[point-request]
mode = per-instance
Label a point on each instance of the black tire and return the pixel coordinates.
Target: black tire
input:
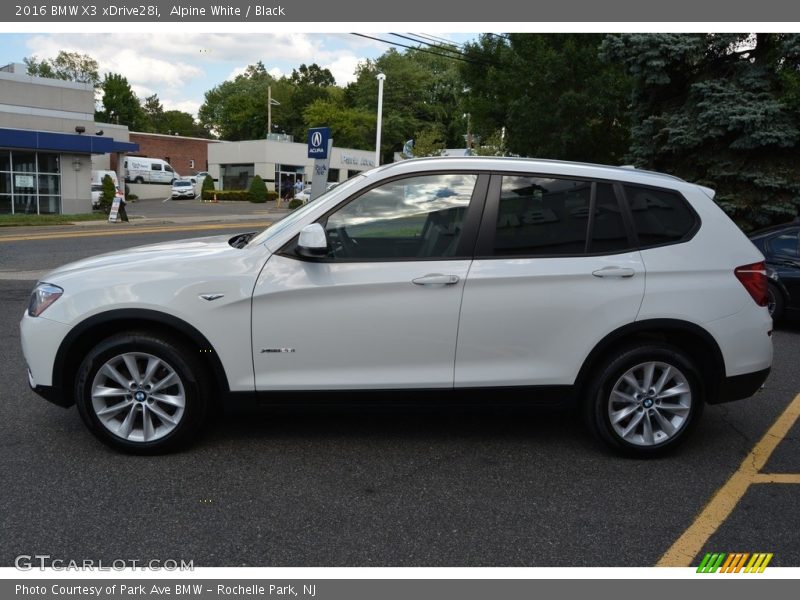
(193, 387)
(775, 302)
(139, 180)
(599, 402)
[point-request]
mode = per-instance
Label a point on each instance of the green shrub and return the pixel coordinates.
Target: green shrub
(295, 204)
(107, 195)
(131, 197)
(208, 184)
(243, 195)
(272, 195)
(258, 189)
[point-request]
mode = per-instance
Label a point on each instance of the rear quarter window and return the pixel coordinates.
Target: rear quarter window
(659, 216)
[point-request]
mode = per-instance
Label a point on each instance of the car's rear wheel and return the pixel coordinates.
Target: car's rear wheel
(142, 393)
(139, 180)
(645, 400)
(775, 302)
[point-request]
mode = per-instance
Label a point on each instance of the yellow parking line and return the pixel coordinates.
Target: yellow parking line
(721, 505)
(241, 225)
(777, 478)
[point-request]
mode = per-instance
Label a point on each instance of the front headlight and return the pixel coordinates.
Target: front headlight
(43, 296)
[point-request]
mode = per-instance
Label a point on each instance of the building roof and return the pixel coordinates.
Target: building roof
(62, 142)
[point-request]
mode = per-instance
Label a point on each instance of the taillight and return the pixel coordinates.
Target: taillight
(754, 280)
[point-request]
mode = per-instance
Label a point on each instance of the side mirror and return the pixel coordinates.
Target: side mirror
(313, 243)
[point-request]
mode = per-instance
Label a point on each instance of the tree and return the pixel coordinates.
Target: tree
(720, 110)
(69, 66)
(553, 94)
(107, 194)
(312, 75)
(120, 104)
(350, 127)
(258, 189)
(429, 142)
(421, 90)
(153, 114)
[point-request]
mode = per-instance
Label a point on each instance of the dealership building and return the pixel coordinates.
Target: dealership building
(48, 143)
(279, 160)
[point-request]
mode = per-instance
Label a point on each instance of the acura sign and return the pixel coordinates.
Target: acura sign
(318, 142)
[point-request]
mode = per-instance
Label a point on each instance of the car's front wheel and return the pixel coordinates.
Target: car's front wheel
(645, 400)
(142, 393)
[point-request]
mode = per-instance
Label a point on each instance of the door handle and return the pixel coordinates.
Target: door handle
(614, 272)
(436, 279)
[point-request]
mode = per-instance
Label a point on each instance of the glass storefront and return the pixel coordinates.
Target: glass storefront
(30, 182)
(236, 177)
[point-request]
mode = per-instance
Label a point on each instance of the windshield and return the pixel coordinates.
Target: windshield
(183, 183)
(298, 214)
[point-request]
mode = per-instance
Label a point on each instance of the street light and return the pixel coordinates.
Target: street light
(381, 78)
(270, 103)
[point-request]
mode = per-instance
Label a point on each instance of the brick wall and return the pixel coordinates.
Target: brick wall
(177, 150)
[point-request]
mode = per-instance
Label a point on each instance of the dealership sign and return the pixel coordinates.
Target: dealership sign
(318, 142)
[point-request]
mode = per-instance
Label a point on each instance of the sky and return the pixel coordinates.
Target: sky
(181, 68)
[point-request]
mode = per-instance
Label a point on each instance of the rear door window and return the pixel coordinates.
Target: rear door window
(550, 216)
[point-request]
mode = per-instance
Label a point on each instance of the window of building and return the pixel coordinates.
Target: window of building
(236, 177)
(30, 182)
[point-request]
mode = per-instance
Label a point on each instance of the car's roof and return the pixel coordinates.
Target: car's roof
(539, 165)
(775, 229)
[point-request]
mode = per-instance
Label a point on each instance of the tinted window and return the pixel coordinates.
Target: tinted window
(659, 216)
(785, 244)
(608, 226)
(542, 216)
(155, 167)
(417, 217)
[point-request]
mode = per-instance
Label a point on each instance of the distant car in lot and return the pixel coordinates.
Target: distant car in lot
(780, 245)
(305, 194)
(624, 293)
(182, 188)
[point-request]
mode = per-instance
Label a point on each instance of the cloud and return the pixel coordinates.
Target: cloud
(344, 68)
(189, 106)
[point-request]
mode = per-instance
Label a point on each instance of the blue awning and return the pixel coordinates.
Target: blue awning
(62, 142)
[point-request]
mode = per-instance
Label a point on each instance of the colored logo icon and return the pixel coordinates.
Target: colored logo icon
(737, 562)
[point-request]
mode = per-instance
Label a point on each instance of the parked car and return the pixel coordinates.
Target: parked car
(149, 170)
(781, 247)
(182, 188)
(504, 280)
(305, 194)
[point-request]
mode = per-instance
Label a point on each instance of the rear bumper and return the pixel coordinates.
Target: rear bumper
(739, 387)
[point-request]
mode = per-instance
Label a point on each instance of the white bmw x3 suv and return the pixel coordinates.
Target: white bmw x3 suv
(627, 294)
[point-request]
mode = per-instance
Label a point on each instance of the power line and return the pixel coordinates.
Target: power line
(418, 49)
(441, 40)
(437, 45)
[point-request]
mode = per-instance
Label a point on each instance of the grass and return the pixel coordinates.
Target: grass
(22, 220)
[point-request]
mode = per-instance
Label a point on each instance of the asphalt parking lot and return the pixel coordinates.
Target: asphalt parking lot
(400, 488)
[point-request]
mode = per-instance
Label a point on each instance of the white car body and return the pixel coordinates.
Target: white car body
(148, 170)
(277, 322)
(184, 188)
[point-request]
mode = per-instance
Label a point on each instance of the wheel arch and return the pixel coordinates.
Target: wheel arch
(696, 342)
(89, 332)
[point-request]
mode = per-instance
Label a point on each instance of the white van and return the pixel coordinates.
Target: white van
(97, 185)
(149, 170)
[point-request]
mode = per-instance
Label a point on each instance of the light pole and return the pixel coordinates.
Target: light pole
(381, 78)
(270, 103)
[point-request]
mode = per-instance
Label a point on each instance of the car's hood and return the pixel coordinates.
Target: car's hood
(164, 255)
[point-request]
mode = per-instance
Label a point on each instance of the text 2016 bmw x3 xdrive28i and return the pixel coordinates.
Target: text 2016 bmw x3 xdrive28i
(627, 292)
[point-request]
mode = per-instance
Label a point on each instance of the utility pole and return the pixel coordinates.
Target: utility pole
(381, 78)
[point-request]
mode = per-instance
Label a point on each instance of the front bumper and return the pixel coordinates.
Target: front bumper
(51, 393)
